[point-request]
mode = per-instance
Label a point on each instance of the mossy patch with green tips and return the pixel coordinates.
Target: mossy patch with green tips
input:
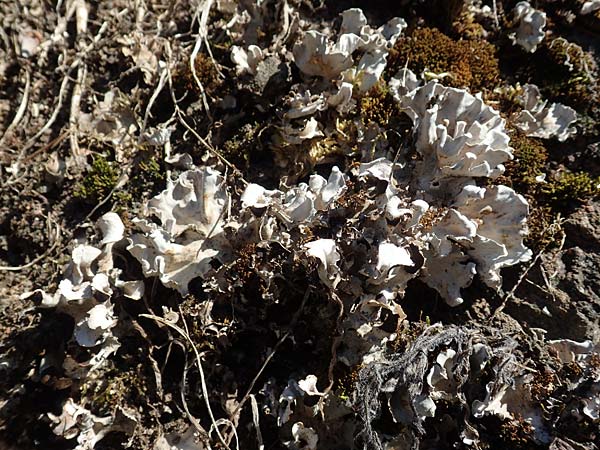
(572, 187)
(378, 106)
(567, 74)
(100, 180)
(115, 389)
(548, 197)
(237, 150)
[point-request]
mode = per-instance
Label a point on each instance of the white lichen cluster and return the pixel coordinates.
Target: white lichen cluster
(530, 27)
(431, 212)
(538, 119)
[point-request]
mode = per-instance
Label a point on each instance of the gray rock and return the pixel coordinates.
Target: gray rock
(562, 293)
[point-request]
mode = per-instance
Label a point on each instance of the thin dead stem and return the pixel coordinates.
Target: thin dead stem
(22, 108)
(183, 333)
(248, 394)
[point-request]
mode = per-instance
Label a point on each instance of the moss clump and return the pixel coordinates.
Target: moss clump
(205, 71)
(378, 106)
(379, 112)
(321, 149)
(529, 162)
(565, 71)
(542, 225)
(571, 188)
(117, 388)
(100, 180)
(150, 179)
(483, 63)
(237, 150)
(468, 63)
(547, 199)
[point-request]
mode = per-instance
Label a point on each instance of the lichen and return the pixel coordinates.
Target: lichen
(548, 197)
(516, 433)
(469, 63)
(529, 163)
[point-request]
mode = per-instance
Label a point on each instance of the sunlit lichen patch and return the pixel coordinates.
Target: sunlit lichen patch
(337, 229)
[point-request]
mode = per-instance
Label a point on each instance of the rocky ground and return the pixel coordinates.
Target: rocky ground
(106, 107)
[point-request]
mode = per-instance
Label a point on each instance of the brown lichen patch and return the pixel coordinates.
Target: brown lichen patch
(571, 371)
(354, 200)
(542, 386)
(431, 217)
(469, 63)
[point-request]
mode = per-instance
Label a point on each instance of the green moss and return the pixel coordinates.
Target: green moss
(469, 63)
(530, 158)
(151, 176)
(100, 180)
(238, 149)
(547, 200)
(529, 162)
(116, 388)
(572, 187)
